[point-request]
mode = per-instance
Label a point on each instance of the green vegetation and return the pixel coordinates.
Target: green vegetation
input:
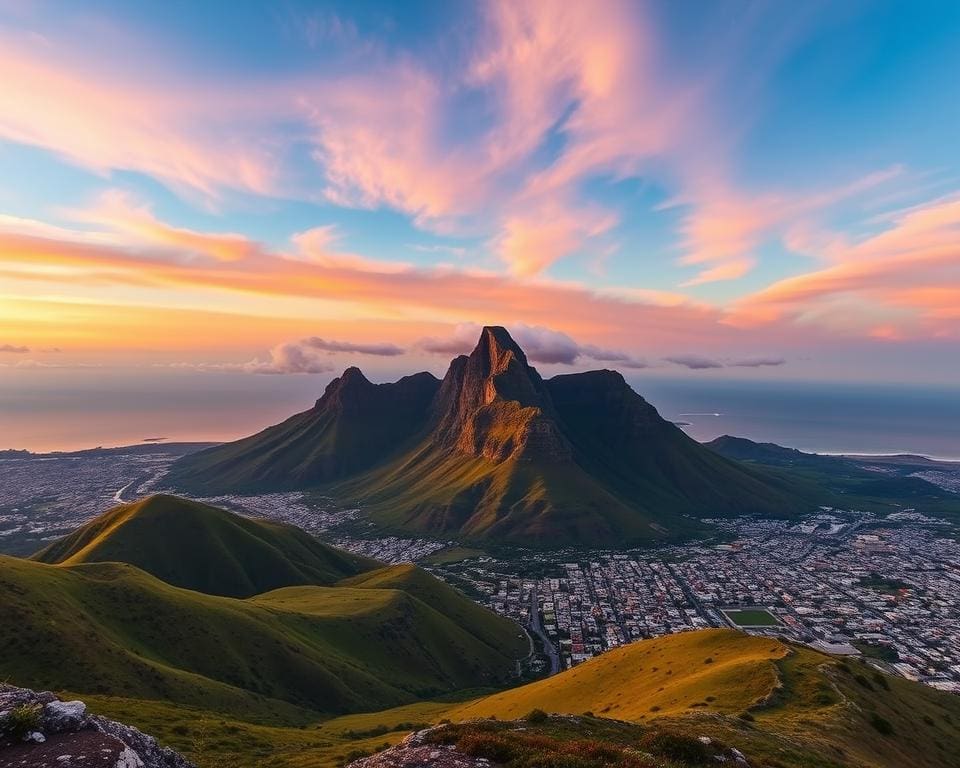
(782, 705)
(585, 742)
(355, 425)
(111, 628)
(874, 651)
(844, 482)
(453, 555)
(751, 617)
(19, 721)
(884, 584)
(204, 548)
(667, 672)
(801, 709)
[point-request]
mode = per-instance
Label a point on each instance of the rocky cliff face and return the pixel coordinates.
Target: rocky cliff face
(494, 405)
(40, 731)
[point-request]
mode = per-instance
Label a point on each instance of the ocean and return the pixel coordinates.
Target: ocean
(823, 418)
(85, 409)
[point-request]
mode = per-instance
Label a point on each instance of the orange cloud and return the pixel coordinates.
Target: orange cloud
(426, 295)
(912, 267)
(119, 213)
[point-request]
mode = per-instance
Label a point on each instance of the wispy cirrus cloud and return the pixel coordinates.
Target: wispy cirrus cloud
(556, 96)
(16, 349)
(911, 267)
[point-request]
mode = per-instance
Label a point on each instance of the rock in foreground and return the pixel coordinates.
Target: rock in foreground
(40, 731)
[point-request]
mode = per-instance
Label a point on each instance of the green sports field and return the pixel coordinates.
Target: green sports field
(751, 617)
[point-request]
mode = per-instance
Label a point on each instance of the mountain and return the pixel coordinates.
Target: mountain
(288, 655)
(352, 427)
(204, 548)
(494, 451)
(778, 703)
(877, 484)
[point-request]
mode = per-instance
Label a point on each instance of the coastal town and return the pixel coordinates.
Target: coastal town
(845, 582)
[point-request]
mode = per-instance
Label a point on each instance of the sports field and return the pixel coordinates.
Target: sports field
(751, 617)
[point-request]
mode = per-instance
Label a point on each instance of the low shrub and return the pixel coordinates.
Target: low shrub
(22, 720)
(882, 725)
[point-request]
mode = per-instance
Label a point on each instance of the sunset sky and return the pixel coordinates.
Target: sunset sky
(731, 189)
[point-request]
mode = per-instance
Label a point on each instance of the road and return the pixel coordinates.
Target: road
(536, 627)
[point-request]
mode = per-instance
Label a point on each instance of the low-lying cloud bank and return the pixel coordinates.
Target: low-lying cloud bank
(701, 363)
(541, 345)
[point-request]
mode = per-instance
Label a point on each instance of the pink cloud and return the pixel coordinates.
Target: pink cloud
(911, 268)
(191, 135)
(120, 213)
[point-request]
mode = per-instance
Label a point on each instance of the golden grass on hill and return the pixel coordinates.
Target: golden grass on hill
(718, 670)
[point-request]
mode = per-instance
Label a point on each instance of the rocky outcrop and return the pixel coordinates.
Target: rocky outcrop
(40, 731)
(494, 405)
(415, 752)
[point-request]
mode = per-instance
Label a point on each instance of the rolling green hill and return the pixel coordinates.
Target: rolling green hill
(499, 453)
(286, 655)
(204, 548)
(487, 628)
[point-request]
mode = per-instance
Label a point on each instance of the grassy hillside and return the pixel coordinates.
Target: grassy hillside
(493, 630)
(786, 705)
(111, 628)
(664, 676)
(204, 548)
(783, 706)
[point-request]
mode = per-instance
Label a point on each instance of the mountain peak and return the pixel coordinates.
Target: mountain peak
(495, 405)
(345, 387)
(497, 341)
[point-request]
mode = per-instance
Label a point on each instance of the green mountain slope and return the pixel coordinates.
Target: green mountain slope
(573, 459)
(204, 548)
(496, 452)
(352, 427)
(495, 631)
(110, 628)
(849, 481)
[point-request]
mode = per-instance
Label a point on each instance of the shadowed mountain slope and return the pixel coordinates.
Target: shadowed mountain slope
(352, 427)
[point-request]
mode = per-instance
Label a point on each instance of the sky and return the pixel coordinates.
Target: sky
(737, 190)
